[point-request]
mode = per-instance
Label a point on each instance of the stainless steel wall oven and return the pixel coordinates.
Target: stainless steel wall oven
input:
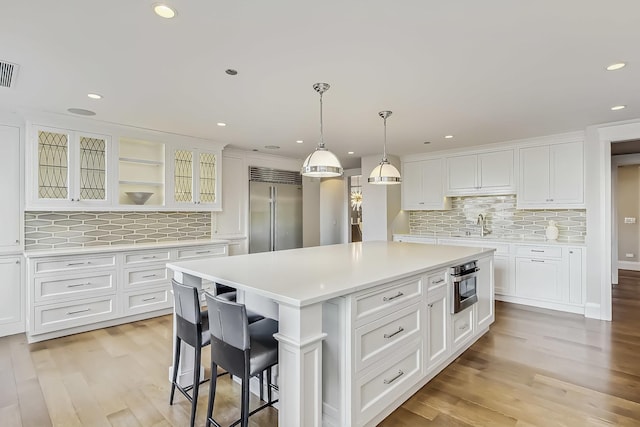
(463, 286)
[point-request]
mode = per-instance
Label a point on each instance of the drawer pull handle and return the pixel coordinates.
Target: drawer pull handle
(69, 313)
(393, 334)
(69, 264)
(202, 252)
(537, 250)
(149, 299)
(398, 375)
(463, 327)
(398, 295)
(149, 275)
(78, 284)
(149, 257)
(435, 282)
(537, 260)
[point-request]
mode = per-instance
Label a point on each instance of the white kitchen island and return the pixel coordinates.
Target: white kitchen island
(362, 326)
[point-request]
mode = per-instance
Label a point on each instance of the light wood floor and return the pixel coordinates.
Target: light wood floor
(535, 367)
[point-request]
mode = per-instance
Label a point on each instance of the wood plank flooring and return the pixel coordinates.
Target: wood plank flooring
(534, 368)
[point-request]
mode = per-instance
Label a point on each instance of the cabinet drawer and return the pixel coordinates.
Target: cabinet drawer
(147, 256)
(148, 300)
(146, 276)
(378, 339)
(380, 386)
(73, 263)
(436, 280)
(74, 286)
(462, 327)
(77, 313)
(388, 299)
(202, 251)
(539, 251)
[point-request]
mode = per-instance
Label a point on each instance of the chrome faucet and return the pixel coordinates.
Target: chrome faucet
(483, 229)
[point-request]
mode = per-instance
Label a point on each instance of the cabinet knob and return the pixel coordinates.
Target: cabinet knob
(17, 261)
(17, 240)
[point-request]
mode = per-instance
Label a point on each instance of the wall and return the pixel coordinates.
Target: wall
(52, 230)
(332, 211)
(627, 199)
(310, 211)
(502, 218)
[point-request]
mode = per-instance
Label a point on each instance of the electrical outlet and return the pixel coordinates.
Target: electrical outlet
(629, 220)
(629, 255)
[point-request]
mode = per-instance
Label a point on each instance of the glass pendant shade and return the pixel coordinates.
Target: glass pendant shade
(322, 163)
(385, 173)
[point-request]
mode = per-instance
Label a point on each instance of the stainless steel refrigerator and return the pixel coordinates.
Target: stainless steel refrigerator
(275, 205)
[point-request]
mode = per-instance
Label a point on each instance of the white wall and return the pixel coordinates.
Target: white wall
(310, 211)
(380, 203)
(332, 211)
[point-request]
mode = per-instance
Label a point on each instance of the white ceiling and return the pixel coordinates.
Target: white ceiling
(483, 71)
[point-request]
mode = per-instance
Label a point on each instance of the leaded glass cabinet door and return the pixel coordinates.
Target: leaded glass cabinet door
(183, 173)
(208, 183)
(92, 169)
(53, 164)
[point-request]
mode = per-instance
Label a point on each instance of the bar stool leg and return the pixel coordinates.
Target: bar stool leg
(174, 374)
(196, 386)
(269, 385)
(245, 402)
(212, 394)
(261, 378)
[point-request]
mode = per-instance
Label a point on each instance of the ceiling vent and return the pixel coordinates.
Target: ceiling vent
(8, 72)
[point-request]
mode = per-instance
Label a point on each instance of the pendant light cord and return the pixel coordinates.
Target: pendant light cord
(321, 145)
(384, 148)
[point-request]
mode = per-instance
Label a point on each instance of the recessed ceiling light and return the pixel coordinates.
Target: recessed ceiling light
(231, 71)
(81, 111)
(616, 66)
(299, 141)
(427, 142)
(448, 136)
(350, 152)
(94, 95)
(164, 11)
(221, 124)
(272, 147)
(618, 107)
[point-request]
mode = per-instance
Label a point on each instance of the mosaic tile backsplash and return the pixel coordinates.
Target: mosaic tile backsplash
(501, 217)
(52, 230)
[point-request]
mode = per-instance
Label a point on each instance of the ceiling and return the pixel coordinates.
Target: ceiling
(482, 71)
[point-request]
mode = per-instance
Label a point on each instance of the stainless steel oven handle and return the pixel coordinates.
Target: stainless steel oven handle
(464, 277)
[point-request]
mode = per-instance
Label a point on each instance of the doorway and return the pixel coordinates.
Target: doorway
(355, 208)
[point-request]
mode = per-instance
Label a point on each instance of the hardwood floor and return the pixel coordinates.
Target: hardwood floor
(535, 367)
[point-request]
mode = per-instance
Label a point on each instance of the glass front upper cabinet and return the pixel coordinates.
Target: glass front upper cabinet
(71, 168)
(196, 178)
(141, 173)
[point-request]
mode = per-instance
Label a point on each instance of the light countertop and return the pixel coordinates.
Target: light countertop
(519, 239)
(122, 248)
(300, 277)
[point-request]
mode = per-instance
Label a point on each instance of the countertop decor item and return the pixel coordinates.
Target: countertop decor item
(322, 163)
(552, 231)
(139, 197)
(385, 173)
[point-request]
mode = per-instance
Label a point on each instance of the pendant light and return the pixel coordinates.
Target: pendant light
(385, 173)
(322, 163)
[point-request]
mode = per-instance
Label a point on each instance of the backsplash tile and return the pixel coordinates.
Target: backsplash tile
(501, 217)
(52, 230)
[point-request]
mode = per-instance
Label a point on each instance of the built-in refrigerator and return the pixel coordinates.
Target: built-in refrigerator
(275, 210)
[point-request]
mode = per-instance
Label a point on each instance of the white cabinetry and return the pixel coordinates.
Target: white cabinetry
(422, 187)
(67, 169)
(551, 176)
(483, 173)
(539, 273)
(484, 309)
(80, 292)
(12, 301)
(195, 177)
(10, 212)
(141, 168)
(575, 269)
(437, 346)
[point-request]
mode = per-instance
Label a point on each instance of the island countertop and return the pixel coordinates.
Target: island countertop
(300, 277)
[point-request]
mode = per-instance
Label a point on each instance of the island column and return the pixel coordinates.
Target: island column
(300, 365)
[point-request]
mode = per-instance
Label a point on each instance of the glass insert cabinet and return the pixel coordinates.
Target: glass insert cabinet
(71, 168)
(78, 170)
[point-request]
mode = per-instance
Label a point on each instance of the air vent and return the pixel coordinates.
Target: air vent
(275, 176)
(8, 72)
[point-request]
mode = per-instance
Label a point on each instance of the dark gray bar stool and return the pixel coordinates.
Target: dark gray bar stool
(192, 327)
(242, 349)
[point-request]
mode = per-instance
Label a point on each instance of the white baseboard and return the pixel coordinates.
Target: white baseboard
(629, 265)
(592, 311)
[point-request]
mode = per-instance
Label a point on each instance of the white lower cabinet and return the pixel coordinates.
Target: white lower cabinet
(484, 309)
(502, 275)
(384, 343)
(437, 340)
(538, 278)
(12, 301)
(80, 292)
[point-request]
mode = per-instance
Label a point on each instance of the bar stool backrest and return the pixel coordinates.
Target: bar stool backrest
(228, 322)
(187, 308)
